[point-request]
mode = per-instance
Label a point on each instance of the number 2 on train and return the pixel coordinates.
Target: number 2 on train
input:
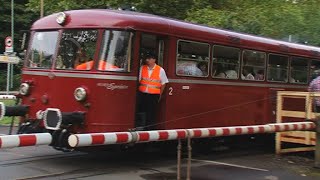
(170, 91)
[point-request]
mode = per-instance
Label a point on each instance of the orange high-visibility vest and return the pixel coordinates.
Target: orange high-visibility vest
(85, 66)
(152, 84)
(102, 66)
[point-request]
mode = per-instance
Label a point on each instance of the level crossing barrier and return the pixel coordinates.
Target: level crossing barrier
(21, 140)
(96, 139)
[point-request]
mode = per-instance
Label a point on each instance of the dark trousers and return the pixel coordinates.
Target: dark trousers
(148, 104)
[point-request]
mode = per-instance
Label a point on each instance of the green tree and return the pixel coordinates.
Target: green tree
(22, 21)
(171, 8)
(273, 18)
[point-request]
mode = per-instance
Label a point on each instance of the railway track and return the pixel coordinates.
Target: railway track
(25, 160)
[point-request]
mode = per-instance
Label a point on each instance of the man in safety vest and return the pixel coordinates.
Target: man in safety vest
(152, 80)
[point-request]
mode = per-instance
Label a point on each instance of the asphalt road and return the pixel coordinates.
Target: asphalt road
(248, 162)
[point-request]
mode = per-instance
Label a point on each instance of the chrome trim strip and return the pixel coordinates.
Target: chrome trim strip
(81, 75)
(189, 81)
(180, 81)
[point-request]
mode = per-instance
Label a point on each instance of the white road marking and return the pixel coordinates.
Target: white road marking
(233, 165)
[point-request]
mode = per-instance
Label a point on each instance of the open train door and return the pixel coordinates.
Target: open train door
(157, 44)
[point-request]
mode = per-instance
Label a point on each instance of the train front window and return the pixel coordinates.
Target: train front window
(115, 53)
(77, 49)
(42, 49)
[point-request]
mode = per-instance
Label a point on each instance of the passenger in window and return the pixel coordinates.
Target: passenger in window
(82, 62)
(81, 57)
(217, 71)
(292, 80)
(231, 73)
(188, 68)
(247, 73)
(260, 75)
(203, 66)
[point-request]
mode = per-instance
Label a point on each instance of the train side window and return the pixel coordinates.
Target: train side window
(315, 66)
(116, 50)
(225, 62)
(77, 49)
(299, 70)
(278, 68)
(192, 59)
(253, 65)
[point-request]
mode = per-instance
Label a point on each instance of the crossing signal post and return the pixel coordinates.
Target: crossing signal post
(9, 57)
(9, 45)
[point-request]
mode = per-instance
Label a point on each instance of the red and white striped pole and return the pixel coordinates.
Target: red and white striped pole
(80, 140)
(11, 141)
(228, 131)
(2, 110)
(95, 139)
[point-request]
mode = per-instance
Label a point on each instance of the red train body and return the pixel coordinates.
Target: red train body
(189, 101)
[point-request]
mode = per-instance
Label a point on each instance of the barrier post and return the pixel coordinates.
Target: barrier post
(317, 150)
(179, 160)
(189, 158)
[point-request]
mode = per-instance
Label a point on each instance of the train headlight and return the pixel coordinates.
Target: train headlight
(24, 89)
(61, 18)
(80, 94)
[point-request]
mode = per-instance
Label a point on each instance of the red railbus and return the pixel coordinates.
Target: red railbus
(81, 73)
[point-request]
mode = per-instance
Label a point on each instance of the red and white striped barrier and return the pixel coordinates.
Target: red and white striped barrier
(11, 141)
(297, 126)
(7, 97)
(99, 139)
(161, 135)
(95, 139)
(2, 110)
(80, 140)
(229, 131)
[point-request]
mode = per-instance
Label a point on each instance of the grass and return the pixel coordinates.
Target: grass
(7, 120)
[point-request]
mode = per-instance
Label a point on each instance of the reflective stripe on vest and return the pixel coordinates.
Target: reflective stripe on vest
(152, 84)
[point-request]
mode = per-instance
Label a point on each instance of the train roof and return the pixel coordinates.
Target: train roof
(102, 18)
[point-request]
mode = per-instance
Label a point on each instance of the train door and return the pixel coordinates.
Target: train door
(156, 44)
